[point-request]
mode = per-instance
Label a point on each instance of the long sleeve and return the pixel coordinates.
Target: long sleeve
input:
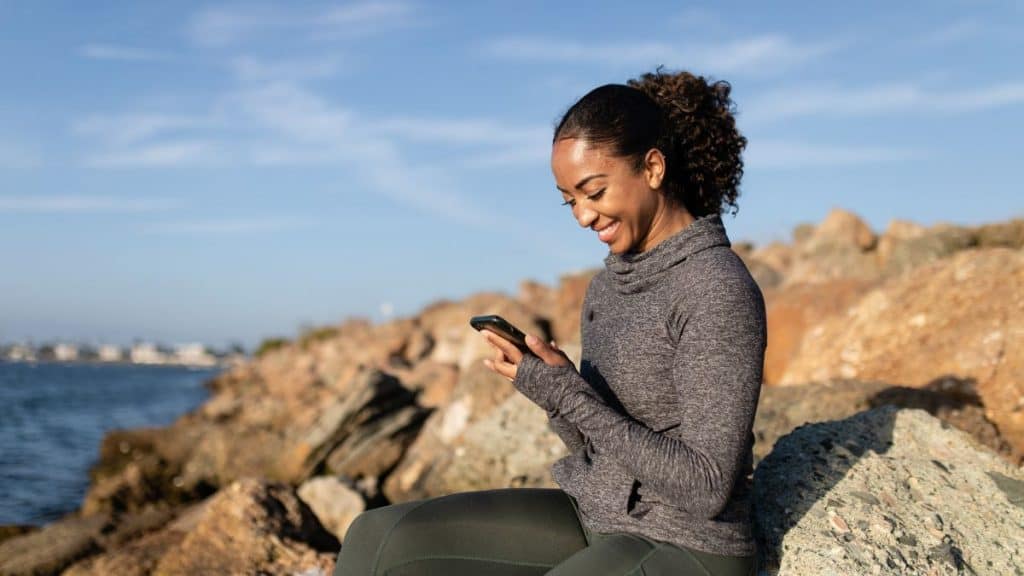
(717, 368)
(567, 431)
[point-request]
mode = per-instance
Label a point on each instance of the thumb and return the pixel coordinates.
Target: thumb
(542, 350)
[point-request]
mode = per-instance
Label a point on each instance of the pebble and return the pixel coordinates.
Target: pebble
(838, 523)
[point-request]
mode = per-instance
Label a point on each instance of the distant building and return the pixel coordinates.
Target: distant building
(146, 353)
(110, 353)
(65, 352)
(21, 353)
(193, 354)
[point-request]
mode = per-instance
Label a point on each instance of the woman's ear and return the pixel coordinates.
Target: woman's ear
(654, 168)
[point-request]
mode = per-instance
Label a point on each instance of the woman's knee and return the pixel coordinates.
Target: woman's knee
(366, 536)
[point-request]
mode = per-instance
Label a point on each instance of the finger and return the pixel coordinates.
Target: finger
(543, 351)
(505, 369)
(510, 350)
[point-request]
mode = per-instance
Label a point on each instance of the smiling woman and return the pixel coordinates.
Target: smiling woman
(658, 418)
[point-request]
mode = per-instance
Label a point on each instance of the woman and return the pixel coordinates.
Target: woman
(658, 419)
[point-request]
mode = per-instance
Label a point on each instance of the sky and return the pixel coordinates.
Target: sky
(228, 172)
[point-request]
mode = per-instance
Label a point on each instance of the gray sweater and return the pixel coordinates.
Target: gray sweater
(658, 419)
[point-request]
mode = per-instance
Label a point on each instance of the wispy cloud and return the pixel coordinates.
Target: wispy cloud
(237, 23)
(881, 99)
(229, 226)
(161, 154)
(313, 128)
(133, 128)
(51, 204)
(786, 154)
(148, 140)
(120, 53)
(250, 69)
(756, 55)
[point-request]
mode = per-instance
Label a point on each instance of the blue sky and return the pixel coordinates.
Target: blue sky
(216, 172)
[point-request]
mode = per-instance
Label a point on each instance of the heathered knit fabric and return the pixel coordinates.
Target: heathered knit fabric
(659, 417)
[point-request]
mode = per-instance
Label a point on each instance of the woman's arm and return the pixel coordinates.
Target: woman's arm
(717, 368)
(567, 431)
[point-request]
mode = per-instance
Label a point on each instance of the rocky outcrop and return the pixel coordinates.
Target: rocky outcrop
(250, 527)
(961, 317)
(361, 414)
(887, 491)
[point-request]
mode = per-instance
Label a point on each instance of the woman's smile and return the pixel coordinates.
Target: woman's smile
(607, 234)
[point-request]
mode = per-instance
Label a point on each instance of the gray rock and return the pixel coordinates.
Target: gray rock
(887, 490)
(335, 504)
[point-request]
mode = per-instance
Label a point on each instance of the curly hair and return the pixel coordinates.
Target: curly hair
(689, 119)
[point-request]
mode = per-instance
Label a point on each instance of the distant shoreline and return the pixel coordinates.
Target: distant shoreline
(226, 363)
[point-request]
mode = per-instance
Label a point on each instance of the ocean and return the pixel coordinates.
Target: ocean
(53, 417)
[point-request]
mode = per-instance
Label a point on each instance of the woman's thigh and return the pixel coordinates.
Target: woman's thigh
(508, 532)
(630, 555)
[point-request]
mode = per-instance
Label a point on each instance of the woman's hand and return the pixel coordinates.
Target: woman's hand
(507, 356)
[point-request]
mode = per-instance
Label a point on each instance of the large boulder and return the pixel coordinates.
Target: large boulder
(253, 527)
(887, 491)
(962, 317)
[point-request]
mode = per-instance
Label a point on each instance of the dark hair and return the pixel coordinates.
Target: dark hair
(690, 120)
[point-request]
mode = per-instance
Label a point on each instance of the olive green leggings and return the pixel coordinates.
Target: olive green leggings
(512, 532)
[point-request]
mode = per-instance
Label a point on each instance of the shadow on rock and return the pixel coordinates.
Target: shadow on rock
(887, 490)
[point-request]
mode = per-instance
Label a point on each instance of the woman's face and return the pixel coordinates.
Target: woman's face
(606, 195)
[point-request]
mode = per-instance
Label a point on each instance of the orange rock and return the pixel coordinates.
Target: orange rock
(962, 317)
(796, 309)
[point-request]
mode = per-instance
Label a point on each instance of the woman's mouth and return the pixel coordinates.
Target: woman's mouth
(608, 232)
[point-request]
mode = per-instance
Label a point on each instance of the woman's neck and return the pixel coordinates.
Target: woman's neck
(668, 221)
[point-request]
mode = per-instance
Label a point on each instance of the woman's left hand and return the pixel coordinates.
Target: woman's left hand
(507, 356)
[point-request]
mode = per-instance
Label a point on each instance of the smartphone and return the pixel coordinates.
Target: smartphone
(502, 327)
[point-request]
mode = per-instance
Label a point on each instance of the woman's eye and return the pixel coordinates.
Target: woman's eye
(594, 196)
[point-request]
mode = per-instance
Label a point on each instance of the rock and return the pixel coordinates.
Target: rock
(843, 228)
(137, 558)
(458, 344)
(433, 382)
(781, 409)
(961, 317)
(334, 503)
(52, 548)
(489, 436)
(365, 433)
(565, 318)
(253, 527)
(798, 308)
(1003, 234)
(908, 248)
(840, 247)
(8, 531)
(886, 490)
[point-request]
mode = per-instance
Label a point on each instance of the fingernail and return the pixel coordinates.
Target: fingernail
(531, 339)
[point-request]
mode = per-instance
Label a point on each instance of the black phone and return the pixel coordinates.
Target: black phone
(503, 328)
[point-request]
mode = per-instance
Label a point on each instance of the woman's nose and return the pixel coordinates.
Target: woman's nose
(585, 216)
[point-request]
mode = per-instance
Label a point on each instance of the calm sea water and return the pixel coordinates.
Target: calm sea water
(53, 417)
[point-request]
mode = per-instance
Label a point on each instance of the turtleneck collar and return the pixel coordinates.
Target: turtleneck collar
(632, 272)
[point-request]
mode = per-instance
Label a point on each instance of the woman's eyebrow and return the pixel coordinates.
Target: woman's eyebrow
(583, 182)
